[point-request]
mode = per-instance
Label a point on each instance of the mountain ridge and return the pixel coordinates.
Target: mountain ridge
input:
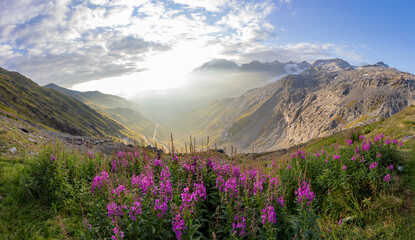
(329, 96)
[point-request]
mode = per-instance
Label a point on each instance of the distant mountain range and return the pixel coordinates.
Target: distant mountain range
(329, 96)
(275, 68)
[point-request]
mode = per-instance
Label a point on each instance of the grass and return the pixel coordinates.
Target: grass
(22, 218)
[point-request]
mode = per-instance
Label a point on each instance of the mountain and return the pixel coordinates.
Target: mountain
(121, 110)
(217, 65)
(23, 97)
(329, 96)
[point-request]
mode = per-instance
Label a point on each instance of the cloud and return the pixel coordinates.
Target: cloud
(212, 5)
(71, 41)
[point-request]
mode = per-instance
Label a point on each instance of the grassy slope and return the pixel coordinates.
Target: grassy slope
(26, 99)
(392, 213)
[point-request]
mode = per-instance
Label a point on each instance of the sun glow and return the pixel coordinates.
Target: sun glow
(166, 70)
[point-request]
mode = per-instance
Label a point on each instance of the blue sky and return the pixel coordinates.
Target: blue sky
(112, 45)
(381, 30)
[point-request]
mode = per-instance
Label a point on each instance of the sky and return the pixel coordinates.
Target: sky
(125, 47)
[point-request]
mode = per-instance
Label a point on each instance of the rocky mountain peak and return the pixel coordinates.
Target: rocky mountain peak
(331, 65)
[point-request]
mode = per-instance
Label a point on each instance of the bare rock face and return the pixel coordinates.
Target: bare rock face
(329, 96)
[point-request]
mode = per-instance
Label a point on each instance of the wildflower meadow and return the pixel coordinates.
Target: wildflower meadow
(203, 195)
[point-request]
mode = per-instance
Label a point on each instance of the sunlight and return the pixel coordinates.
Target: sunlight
(166, 70)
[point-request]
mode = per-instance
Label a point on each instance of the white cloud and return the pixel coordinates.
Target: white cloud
(69, 42)
(209, 5)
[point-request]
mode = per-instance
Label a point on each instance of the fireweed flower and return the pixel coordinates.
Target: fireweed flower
(344, 168)
(268, 215)
(336, 157)
(178, 226)
(349, 142)
(365, 146)
(160, 206)
(243, 179)
(288, 166)
(91, 155)
(231, 187)
(144, 182)
(353, 158)
(340, 222)
(165, 174)
(52, 157)
(390, 167)
(99, 180)
(118, 190)
(387, 178)
(114, 165)
(305, 194)
(115, 210)
(220, 183)
(117, 233)
(373, 165)
(200, 190)
(187, 198)
(378, 155)
(400, 143)
(135, 210)
(239, 225)
(388, 141)
(157, 162)
(273, 183)
(258, 186)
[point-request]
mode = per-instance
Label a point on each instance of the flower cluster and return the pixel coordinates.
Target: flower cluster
(373, 165)
(268, 215)
(178, 226)
(305, 194)
(99, 180)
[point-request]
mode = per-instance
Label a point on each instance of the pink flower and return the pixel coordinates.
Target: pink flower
(387, 178)
(336, 157)
(373, 165)
(305, 194)
(178, 226)
(390, 167)
(344, 167)
(268, 215)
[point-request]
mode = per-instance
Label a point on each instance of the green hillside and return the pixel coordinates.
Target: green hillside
(21, 96)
